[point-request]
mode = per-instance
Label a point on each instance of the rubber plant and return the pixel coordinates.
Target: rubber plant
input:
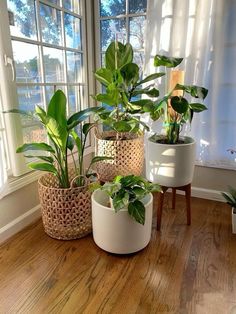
(128, 192)
(122, 83)
(176, 110)
(64, 134)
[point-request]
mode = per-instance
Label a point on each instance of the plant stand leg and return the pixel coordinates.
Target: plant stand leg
(173, 197)
(188, 202)
(160, 206)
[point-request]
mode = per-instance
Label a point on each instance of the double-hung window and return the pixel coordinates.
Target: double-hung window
(122, 20)
(44, 48)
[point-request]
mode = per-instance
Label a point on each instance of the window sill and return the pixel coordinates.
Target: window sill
(16, 183)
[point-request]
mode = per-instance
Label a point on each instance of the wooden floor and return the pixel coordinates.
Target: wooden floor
(184, 269)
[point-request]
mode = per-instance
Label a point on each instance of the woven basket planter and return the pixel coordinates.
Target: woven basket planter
(128, 155)
(66, 213)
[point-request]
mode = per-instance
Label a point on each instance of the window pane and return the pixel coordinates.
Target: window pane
(34, 133)
(53, 65)
(50, 20)
(26, 63)
(23, 18)
(72, 5)
(139, 59)
(112, 7)
(74, 67)
(29, 97)
(75, 95)
(137, 6)
(50, 91)
(112, 29)
(136, 36)
(72, 31)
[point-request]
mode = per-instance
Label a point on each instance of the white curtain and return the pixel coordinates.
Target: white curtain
(203, 33)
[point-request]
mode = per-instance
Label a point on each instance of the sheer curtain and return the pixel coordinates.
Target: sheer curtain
(203, 32)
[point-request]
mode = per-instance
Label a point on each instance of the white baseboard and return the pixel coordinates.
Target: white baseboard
(208, 194)
(19, 223)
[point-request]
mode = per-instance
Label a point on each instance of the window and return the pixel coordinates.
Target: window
(48, 47)
(122, 20)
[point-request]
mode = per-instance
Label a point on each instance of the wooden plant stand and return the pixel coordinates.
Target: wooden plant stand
(186, 189)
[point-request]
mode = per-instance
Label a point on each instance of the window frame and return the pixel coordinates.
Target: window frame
(8, 90)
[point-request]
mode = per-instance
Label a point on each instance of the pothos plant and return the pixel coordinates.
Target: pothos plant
(128, 192)
(122, 81)
(176, 110)
(64, 134)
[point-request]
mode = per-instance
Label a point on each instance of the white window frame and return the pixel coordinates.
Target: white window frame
(9, 97)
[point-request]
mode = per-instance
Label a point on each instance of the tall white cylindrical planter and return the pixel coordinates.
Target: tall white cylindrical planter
(118, 232)
(170, 165)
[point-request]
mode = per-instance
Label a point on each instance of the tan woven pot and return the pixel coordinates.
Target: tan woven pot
(66, 213)
(128, 155)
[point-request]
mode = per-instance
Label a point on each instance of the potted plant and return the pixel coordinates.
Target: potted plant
(64, 193)
(122, 106)
(170, 158)
(230, 198)
(122, 214)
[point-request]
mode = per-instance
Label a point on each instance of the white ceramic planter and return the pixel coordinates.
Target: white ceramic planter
(233, 220)
(170, 165)
(118, 232)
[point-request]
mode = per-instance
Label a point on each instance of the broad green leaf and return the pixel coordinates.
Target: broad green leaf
(70, 143)
(179, 104)
(77, 141)
(153, 92)
(121, 126)
(43, 167)
(35, 146)
(110, 188)
(168, 62)
(87, 127)
(117, 55)
(104, 76)
(57, 108)
(44, 158)
(120, 200)
(81, 116)
(58, 133)
(229, 199)
(100, 158)
(106, 98)
(19, 111)
(193, 90)
(196, 107)
(41, 113)
(151, 78)
(130, 73)
(136, 210)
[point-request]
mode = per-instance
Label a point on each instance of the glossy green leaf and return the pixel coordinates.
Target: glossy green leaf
(168, 62)
(193, 90)
(153, 92)
(100, 158)
(57, 108)
(81, 116)
(120, 200)
(150, 77)
(197, 107)
(121, 126)
(104, 76)
(70, 143)
(87, 127)
(58, 133)
(35, 146)
(130, 73)
(77, 140)
(106, 98)
(43, 167)
(136, 210)
(179, 104)
(117, 55)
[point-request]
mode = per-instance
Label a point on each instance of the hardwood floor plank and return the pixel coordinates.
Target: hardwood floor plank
(184, 269)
